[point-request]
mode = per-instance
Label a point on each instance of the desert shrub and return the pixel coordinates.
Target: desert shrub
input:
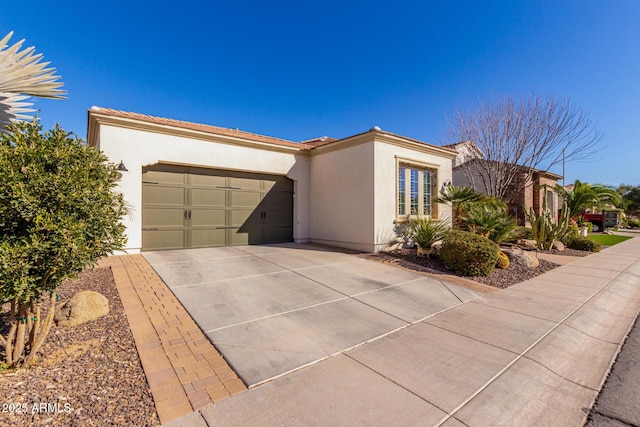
(503, 261)
(571, 233)
(521, 232)
(425, 231)
(584, 244)
(468, 254)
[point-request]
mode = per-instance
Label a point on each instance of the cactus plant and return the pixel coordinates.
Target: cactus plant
(545, 229)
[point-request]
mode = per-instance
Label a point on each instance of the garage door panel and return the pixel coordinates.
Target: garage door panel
(163, 217)
(208, 197)
(163, 239)
(164, 177)
(245, 199)
(208, 217)
(208, 180)
(277, 199)
(248, 183)
(208, 237)
(278, 234)
(163, 195)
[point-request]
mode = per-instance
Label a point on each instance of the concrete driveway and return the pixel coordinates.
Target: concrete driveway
(273, 309)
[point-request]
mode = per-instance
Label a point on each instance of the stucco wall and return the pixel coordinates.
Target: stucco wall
(385, 199)
(138, 148)
(342, 197)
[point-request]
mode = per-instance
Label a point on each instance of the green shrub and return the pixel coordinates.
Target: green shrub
(59, 213)
(468, 254)
(503, 261)
(584, 244)
(633, 223)
(425, 231)
(589, 226)
(521, 232)
(572, 233)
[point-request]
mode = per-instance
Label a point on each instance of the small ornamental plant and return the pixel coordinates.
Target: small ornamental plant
(59, 214)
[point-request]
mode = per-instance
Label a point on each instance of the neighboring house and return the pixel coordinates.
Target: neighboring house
(194, 185)
(526, 191)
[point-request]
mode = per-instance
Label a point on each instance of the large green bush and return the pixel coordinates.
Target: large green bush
(584, 244)
(59, 214)
(468, 254)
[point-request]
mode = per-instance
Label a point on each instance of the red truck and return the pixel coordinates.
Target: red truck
(603, 220)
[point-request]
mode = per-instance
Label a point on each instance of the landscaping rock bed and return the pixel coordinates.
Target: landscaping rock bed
(499, 278)
(87, 375)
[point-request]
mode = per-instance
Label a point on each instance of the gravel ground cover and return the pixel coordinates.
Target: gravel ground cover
(499, 278)
(88, 375)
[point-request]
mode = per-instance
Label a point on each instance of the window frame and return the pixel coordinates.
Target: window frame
(408, 165)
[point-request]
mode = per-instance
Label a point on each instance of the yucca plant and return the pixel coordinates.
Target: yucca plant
(426, 231)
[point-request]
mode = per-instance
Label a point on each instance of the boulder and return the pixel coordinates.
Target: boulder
(437, 247)
(558, 246)
(518, 256)
(82, 307)
(528, 243)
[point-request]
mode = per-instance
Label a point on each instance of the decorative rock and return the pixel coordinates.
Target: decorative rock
(558, 246)
(82, 307)
(437, 247)
(528, 243)
(518, 256)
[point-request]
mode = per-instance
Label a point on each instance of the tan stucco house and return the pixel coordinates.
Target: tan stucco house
(194, 185)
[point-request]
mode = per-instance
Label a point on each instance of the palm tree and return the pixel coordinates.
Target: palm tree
(584, 196)
(459, 198)
(22, 75)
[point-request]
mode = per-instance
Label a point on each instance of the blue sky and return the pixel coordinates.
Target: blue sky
(299, 70)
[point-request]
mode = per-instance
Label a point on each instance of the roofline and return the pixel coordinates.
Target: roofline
(387, 137)
(104, 116)
(534, 170)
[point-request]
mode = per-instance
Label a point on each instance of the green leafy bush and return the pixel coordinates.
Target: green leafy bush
(59, 214)
(571, 233)
(521, 232)
(468, 254)
(633, 223)
(584, 244)
(425, 231)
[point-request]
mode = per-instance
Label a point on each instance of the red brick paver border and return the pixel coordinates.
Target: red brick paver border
(184, 370)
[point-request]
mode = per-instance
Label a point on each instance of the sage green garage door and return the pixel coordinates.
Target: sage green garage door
(185, 207)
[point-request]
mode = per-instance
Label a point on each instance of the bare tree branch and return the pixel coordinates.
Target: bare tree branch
(517, 136)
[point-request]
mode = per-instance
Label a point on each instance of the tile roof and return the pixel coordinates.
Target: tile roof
(198, 127)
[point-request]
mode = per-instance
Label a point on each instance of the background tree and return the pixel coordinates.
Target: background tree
(59, 214)
(585, 196)
(630, 198)
(22, 74)
(519, 135)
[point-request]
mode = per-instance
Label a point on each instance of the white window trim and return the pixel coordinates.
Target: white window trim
(410, 164)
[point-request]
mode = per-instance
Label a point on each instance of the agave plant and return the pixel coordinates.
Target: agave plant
(22, 75)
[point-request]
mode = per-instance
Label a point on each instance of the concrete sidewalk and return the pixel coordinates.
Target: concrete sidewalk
(534, 354)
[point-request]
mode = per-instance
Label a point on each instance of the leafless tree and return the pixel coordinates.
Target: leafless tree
(518, 136)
